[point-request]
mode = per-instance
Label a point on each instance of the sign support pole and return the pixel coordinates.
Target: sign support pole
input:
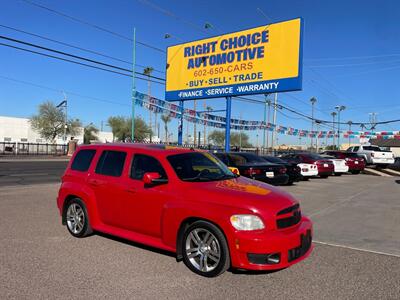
(133, 86)
(228, 124)
(180, 125)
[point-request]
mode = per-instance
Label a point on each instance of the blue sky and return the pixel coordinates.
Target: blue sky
(351, 55)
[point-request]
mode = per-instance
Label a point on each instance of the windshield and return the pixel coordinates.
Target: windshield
(199, 166)
(240, 159)
(372, 148)
(315, 156)
(274, 159)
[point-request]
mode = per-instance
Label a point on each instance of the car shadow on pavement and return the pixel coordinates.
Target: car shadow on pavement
(137, 245)
(252, 272)
(397, 181)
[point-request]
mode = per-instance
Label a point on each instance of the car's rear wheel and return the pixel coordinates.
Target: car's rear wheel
(205, 250)
(77, 219)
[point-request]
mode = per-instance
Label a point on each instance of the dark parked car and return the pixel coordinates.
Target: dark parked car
(292, 169)
(325, 166)
(253, 166)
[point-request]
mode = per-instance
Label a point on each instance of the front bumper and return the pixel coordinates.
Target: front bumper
(288, 244)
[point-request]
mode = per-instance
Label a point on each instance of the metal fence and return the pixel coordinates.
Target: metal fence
(21, 148)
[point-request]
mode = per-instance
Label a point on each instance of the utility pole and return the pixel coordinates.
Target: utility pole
(274, 120)
(66, 117)
(317, 144)
(265, 120)
(372, 120)
(339, 108)
(333, 114)
(133, 86)
(312, 100)
(205, 126)
(194, 125)
(349, 123)
(268, 120)
(240, 132)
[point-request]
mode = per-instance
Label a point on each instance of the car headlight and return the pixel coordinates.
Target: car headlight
(247, 222)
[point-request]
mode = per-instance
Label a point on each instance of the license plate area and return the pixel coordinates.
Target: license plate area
(305, 244)
(269, 174)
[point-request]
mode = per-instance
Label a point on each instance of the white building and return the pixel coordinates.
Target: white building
(19, 130)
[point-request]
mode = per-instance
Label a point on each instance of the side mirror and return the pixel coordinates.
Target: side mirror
(152, 178)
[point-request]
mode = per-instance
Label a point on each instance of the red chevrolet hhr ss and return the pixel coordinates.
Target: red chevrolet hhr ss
(183, 201)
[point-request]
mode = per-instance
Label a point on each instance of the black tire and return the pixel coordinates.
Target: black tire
(81, 217)
(217, 245)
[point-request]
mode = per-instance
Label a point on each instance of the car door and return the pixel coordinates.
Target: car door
(143, 204)
(107, 184)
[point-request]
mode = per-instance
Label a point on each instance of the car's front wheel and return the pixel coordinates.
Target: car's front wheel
(77, 219)
(205, 249)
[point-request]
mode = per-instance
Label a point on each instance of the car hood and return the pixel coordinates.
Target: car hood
(243, 193)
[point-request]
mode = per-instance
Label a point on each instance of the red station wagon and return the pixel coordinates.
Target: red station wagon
(183, 201)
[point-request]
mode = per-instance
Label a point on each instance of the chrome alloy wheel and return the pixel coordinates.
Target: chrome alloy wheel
(203, 249)
(75, 218)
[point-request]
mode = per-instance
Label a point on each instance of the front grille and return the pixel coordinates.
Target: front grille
(289, 221)
(305, 244)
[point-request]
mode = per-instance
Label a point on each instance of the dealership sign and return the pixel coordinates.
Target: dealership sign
(260, 60)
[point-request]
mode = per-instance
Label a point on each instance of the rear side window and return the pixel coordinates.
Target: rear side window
(222, 157)
(111, 163)
(83, 160)
(142, 164)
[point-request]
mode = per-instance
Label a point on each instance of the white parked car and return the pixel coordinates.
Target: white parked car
(339, 164)
(308, 170)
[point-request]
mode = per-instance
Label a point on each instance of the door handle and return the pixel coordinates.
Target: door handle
(130, 190)
(94, 182)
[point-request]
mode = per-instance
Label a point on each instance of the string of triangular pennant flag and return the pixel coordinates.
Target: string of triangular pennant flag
(208, 119)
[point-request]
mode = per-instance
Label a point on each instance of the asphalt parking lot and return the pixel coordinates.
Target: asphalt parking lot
(357, 253)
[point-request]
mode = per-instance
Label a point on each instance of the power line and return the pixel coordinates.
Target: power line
(77, 57)
(75, 62)
(75, 47)
(92, 25)
(172, 15)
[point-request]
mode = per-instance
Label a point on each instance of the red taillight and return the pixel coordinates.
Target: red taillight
(282, 170)
(251, 172)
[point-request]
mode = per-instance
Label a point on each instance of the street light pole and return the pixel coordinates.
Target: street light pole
(333, 114)
(339, 108)
(274, 120)
(312, 100)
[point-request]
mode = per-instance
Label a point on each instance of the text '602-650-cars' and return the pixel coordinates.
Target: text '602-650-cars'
(184, 201)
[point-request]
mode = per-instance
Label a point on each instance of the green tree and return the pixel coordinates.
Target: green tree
(121, 128)
(218, 138)
(90, 133)
(166, 118)
(50, 122)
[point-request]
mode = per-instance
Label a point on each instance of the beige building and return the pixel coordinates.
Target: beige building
(19, 130)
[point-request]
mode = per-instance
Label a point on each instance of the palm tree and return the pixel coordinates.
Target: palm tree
(166, 119)
(147, 71)
(90, 133)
